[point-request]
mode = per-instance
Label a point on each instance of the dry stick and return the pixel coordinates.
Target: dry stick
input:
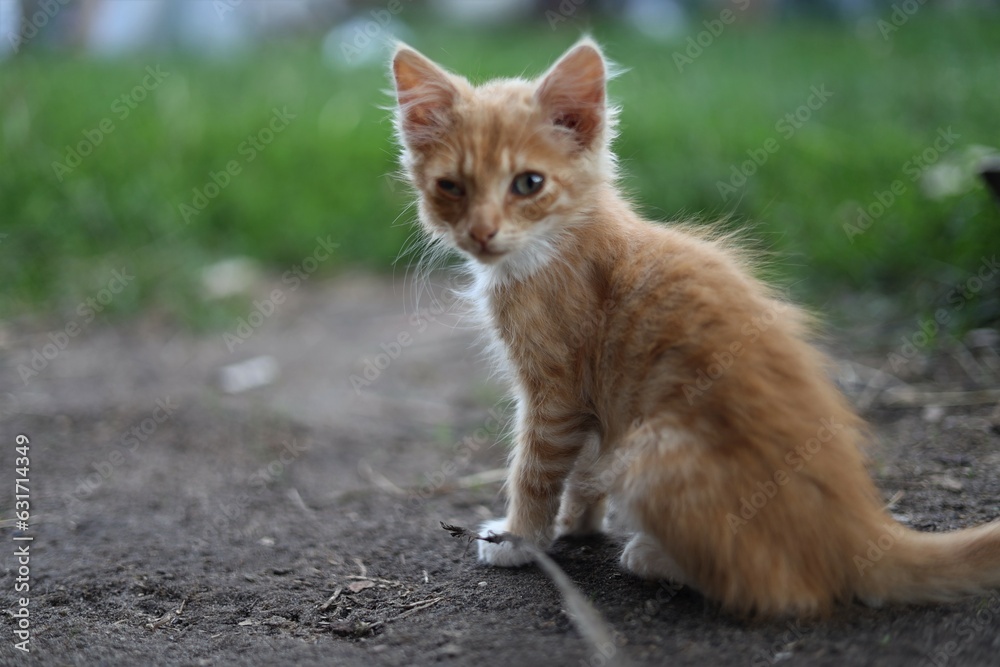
(484, 477)
(871, 391)
(168, 617)
(296, 498)
(896, 497)
(587, 619)
(975, 370)
(414, 610)
(912, 397)
(333, 598)
(383, 483)
(380, 481)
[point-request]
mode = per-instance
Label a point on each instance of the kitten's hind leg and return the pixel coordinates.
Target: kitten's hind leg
(582, 511)
(645, 557)
(583, 505)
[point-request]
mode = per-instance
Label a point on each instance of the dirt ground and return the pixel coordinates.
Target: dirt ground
(298, 522)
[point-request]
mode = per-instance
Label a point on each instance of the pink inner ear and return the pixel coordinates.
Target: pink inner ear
(573, 93)
(425, 96)
(568, 121)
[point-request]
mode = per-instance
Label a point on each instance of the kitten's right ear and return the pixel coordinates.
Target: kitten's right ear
(425, 94)
(572, 92)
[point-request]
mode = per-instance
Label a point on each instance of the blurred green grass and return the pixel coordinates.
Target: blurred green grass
(327, 173)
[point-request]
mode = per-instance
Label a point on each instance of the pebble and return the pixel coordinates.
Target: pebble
(250, 374)
(236, 275)
(450, 650)
(933, 413)
(977, 338)
(947, 482)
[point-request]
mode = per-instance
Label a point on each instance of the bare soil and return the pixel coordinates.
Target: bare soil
(298, 523)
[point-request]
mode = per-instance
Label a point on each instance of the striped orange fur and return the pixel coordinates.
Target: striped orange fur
(652, 371)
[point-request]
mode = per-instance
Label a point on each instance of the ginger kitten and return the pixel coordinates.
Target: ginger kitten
(650, 368)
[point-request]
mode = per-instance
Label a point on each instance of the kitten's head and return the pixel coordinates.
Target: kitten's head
(504, 168)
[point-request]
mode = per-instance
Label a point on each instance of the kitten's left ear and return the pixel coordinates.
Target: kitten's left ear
(425, 94)
(572, 92)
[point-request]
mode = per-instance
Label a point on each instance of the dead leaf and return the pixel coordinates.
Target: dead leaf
(358, 586)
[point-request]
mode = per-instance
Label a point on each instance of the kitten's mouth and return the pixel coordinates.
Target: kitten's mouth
(488, 255)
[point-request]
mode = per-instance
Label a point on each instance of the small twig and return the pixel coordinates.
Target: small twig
(161, 621)
(380, 481)
(379, 580)
(293, 495)
(333, 598)
(979, 373)
(480, 478)
(168, 617)
(896, 497)
(913, 397)
(586, 618)
(361, 628)
(414, 610)
(361, 565)
(872, 390)
(428, 601)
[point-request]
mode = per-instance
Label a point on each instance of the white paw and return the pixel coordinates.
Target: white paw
(645, 557)
(504, 554)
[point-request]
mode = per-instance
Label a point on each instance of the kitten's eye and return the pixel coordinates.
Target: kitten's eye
(527, 183)
(450, 189)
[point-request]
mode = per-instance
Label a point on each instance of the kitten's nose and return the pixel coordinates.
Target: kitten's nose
(482, 235)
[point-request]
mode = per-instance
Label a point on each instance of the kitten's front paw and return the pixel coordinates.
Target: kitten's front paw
(504, 554)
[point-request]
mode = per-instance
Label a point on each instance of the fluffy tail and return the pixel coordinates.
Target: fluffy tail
(903, 565)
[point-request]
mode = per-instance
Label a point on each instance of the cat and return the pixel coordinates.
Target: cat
(650, 367)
